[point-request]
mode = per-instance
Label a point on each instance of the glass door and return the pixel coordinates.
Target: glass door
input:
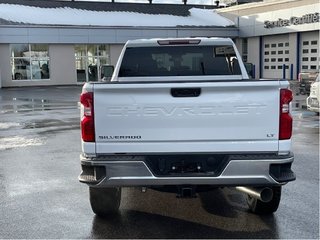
(89, 59)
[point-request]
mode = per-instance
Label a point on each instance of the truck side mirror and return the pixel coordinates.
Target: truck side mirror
(250, 69)
(106, 72)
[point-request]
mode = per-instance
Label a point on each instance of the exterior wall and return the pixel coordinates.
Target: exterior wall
(115, 51)
(100, 35)
(293, 41)
(264, 7)
(253, 54)
(5, 68)
(62, 65)
(254, 25)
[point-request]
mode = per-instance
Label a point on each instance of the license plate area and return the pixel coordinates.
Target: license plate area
(187, 165)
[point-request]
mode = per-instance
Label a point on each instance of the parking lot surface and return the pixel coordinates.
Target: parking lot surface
(40, 196)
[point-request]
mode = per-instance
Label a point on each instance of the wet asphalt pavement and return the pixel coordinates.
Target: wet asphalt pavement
(40, 196)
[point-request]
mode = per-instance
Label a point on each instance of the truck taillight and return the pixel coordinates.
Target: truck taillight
(285, 128)
(87, 118)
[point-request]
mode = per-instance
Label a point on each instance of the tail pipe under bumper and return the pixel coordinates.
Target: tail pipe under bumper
(264, 194)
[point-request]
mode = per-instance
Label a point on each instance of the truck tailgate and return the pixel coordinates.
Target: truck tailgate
(240, 116)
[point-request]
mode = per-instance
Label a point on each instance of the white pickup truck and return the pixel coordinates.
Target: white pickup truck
(183, 115)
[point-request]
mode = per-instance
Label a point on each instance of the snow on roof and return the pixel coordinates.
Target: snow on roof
(72, 16)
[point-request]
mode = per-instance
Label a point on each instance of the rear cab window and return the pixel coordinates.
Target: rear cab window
(179, 61)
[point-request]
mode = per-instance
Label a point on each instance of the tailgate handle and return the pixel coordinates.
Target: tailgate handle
(185, 92)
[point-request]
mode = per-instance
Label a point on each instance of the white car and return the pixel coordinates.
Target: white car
(22, 72)
(314, 97)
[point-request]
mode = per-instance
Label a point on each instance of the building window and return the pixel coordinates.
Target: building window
(280, 59)
(280, 52)
(305, 51)
(305, 59)
(90, 60)
(245, 46)
(315, 42)
(305, 43)
(266, 53)
(305, 67)
(286, 51)
(314, 50)
(280, 44)
(313, 67)
(273, 67)
(273, 59)
(273, 45)
(286, 44)
(266, 45)
(273, 52)
(286, 59)
(266, 67)
(30, 61)
(280, 67)
(313, 59)
(266, 60)
(286, 67)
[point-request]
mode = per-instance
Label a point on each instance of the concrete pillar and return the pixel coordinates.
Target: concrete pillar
(293, 53)
(254, 54)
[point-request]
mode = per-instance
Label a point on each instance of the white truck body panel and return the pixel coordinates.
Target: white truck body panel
(226, 117)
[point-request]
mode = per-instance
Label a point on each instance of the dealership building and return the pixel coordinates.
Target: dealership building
(64, 42)
(67, 42)
(281, 38)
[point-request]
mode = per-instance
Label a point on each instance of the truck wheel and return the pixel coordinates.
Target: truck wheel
(105, 201)
(259, 207)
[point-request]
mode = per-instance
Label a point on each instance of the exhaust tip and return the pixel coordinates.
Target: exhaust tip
(263, 194)
(266, 194)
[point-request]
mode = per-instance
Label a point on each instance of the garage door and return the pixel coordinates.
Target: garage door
(276, 56)
(309, 52)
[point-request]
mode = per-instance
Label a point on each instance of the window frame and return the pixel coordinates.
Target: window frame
(30, 58)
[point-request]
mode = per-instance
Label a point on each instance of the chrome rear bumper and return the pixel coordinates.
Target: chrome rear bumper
(130, 171)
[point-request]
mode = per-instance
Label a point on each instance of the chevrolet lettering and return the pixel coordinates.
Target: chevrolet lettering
(158, 111)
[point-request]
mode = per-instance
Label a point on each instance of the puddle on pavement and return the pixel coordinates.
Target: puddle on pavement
(19, 141)
(5, 109)
(8, 125)
(31, 100)
(47, 123)
(33, 187)
(21, 105)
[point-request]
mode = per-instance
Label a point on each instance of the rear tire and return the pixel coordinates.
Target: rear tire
(259, 207)
(105, 201)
